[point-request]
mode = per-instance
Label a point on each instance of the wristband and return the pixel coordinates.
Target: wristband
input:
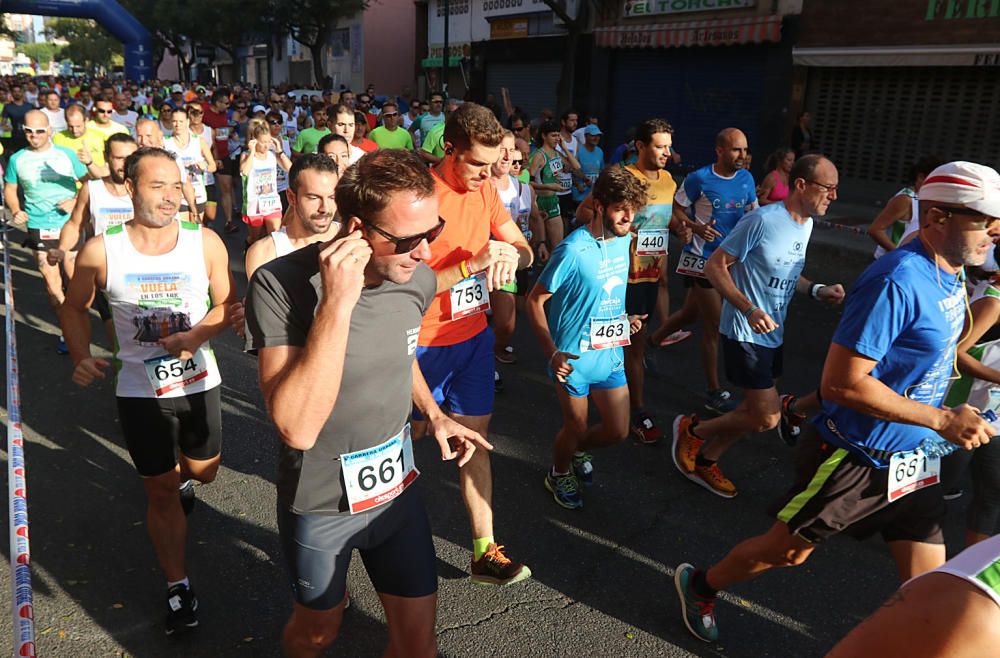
(553, 356)
(463, 267)
(814, 289)
(750, 311)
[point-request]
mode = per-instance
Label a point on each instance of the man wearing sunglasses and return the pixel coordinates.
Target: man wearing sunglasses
(866, 467)
(347, 457)
(479, 251)
(47, 176)
(389, 135)
(101, 122)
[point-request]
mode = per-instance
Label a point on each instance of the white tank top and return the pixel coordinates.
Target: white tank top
(190, 161)
(282, 174)
(517, 200)
(260, 187)
(979, 564)
(206, 134)
(152, 297)
(106, 209)
(282, 245)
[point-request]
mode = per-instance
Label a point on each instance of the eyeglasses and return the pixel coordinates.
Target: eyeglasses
(517, 128)
(408, 244)
(830, 189)
(35, 131)
(389, 115)
(985, 223)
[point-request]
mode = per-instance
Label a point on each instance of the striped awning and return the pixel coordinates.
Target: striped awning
(719, 32)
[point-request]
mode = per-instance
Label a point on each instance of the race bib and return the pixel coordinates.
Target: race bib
(469, 296)
(49, 233)
(911, 471)
(168, 373)
(375, 476)
(651, 242)
(565, 180)
(691, 265)
(605, 333)
(221, 134)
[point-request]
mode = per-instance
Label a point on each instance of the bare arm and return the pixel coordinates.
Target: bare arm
(898, 208)
(764, 189)
(90, 274)
(13, 203)
(535, 308)
(985, 314)
(69, 236)
(206, 153)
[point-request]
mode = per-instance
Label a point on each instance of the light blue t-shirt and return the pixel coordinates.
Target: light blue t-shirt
(47, 178)
(708, 196)
(587, 278)
(905, 314)
(770, 249)
(591, 165)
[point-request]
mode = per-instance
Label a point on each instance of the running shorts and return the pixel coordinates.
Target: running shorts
(156, 429)
(35, 242)
(692, 281)
(394, 542)
(835, 491)
(640, 298)
(548, 206)
(595, 369)
(752, 366)
(259, 220)
(461, 375)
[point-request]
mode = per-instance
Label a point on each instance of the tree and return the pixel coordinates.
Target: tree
(311, 23)
(575, 27)
(40, 53)
(88, 44)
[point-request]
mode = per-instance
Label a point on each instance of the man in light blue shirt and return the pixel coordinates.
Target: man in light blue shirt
(757, 268)
(591, 159)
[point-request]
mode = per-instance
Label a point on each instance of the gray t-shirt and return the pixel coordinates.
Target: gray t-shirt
(375, 392)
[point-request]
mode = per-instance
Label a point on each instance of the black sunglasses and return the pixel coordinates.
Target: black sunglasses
(274, 122)
(516, 163)
(408, 244)
(390, 114)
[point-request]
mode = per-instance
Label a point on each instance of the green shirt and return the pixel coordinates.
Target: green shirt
(434, 141)
(391, 139)
(308, 140)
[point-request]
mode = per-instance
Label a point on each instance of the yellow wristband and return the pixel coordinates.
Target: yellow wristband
(464, 269)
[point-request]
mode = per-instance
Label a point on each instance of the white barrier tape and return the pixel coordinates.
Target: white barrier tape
(17, 487)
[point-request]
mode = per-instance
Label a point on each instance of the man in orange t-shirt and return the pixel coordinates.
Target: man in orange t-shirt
(479, 250)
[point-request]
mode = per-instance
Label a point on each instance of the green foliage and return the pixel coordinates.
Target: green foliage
(88, 44)
(40, 53)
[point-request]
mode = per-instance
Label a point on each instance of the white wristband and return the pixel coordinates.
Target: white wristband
(814, 290)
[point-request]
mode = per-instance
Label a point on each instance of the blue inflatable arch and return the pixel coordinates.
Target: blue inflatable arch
(112, 17)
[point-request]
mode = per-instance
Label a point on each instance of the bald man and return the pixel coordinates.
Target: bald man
(47, 176)
(149, 133)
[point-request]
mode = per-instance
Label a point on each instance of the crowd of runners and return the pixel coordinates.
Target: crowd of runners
(392, 246)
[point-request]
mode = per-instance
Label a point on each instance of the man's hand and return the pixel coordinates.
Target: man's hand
(89, 369)
(20, 217)
(683, 231)
(84, 156)
(180, 345)
(455, 440)
(543, 252)
(66, 205)
(966, 428)
(499, 259)
(55, 256)
(635, 322)
(761, 323)
(705, 231)
(561, 365)
(236, 316)
(342, 269)
(831, 294)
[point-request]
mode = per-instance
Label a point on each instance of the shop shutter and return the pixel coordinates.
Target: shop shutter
(533, 85)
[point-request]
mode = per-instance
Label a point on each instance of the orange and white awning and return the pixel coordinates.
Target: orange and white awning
(719, 32)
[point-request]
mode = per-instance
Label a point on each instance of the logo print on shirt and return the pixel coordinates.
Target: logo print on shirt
(612, 283)
(411, 340)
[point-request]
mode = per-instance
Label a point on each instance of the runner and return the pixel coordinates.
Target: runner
(148, 134)
(361, 133)
(308, 139)
(591, 159)
(894, 223)
(168, 284)
(389, 135)
(584, 285)
(344, 126)
(455, 344)
(775, 186)
(101, 123)
(195, 159)
(51, 108)
(757, 269)
(46, 175)
(88, 147)
(124, 114)
(711, 201)
(216, 118)
(338, 148)
(550, 179)
(14, 112)
(339, 412)
(274, 125)
(196, 115)
(432, 142)
(100, 204)
(422, 125)
(890, 358)
(258, 167)
(567, 124)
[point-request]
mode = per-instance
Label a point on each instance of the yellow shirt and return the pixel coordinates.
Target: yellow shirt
(654, 215)
(106, 130)
(93, 141)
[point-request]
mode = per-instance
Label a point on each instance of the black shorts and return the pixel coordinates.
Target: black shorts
(34, 241)
(100, 305)
(835, 491)
(692, 281)
(156, 429)
(394, 542)
(640, 298)
(751, 366)
(211, 194)
(284, 200)
(227, 167)
(201, 207)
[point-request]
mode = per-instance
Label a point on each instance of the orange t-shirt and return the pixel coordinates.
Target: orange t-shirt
(470, 218)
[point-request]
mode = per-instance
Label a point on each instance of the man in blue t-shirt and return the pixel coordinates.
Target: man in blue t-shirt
(757, 269)
(584, 284)
(591, 159)
(885, 376)
(710, 201)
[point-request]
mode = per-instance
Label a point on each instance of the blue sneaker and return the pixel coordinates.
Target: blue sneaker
(565, 490)
(719, 401)
(583, 468)
(698, 612)
(61, 347)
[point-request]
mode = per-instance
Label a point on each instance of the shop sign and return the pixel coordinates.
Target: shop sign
(634, 8)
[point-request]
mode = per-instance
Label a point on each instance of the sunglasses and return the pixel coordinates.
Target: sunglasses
(100, 111)
(34, 131)
(516, 163)
(985, 222)
(408, 244)
(195, 112)
(388, 115)
(517, 128)
(274, 122)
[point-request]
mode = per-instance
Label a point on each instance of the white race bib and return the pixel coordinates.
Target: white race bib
(221, 134)
(691, 265)
(911, 471)
(605, 333)
(49, 233)
(168, 373)
(651, 242)
(375, 476)
(469, 296)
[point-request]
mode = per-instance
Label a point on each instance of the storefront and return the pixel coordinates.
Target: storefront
(911, 79)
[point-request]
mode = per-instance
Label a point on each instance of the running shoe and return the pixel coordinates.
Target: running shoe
(232, 227)
(505, 356)
(719, 401)
(697, 611)
(583, 467)
(788, 426)
(685, 445)
(497, 382)
(61, 347)
(187, 496)
(711, 478)
(645, 429)
(495, 568)
(675, 338)
(182, 608)
(565, 490)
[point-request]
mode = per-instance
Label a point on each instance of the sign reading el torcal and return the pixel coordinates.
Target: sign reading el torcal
(632, 8)
(962, 9)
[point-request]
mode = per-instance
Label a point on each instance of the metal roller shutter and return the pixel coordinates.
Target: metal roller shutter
(875, 122)
(532, 85)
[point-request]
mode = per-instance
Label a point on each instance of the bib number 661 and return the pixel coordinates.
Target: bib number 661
(369, 477)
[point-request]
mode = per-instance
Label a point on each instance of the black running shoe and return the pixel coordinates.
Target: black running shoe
(182, 609)
(187, 497)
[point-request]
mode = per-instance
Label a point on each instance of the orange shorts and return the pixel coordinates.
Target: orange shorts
(259, 220)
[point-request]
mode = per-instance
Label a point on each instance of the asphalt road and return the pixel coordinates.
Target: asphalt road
(602, 581)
